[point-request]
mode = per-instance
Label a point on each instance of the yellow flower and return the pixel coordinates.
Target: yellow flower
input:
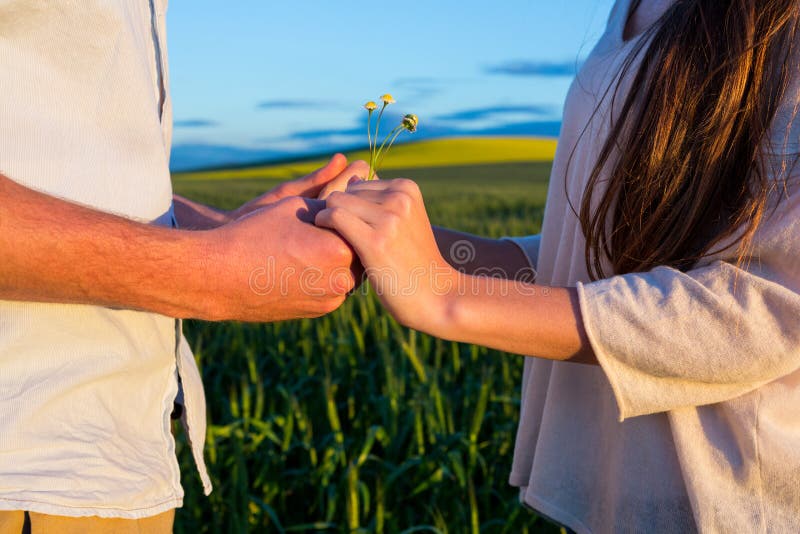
(410, 122)
(377, 151)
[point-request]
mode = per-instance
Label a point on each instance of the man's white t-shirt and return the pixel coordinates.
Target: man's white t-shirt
(86, 392)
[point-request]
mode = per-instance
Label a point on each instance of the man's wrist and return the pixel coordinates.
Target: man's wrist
(204, 276)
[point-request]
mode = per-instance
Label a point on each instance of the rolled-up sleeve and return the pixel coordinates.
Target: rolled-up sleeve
(529, 245)
(668, 339)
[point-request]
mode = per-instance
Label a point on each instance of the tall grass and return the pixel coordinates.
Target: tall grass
(352, 423)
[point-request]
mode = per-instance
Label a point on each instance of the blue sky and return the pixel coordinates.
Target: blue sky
(254, 80)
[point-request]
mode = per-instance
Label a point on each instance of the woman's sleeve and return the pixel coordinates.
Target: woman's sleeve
(668, 339)
(529, 245)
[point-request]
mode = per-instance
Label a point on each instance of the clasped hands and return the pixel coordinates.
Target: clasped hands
(297, 250)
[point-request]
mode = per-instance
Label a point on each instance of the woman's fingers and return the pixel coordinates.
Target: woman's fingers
(374, 196)
(351, 227)
(367, 209)
(369, 185)
(403, 185)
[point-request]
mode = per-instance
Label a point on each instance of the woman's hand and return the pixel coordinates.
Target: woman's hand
(387, 225)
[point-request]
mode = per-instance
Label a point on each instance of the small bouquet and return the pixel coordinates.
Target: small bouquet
(377, 154)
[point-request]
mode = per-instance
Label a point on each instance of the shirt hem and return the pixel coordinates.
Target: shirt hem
(518, 480)
(555, 513)
(12, 505)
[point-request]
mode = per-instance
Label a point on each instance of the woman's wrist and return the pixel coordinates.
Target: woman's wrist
(441, 314)
(515, 317)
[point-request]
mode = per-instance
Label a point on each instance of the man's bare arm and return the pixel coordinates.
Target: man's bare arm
(53, 250)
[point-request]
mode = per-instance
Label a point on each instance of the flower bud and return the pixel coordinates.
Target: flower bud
(410, 122)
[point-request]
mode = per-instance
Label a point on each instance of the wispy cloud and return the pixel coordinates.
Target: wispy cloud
(195, 123)
(290, 104)
(324, 133)
(535, 68)
(357, 127)
(495, 111)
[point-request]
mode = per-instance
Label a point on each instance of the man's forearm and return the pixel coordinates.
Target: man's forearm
(56, 251)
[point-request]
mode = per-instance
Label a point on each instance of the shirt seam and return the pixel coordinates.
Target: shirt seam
(756, 441)
(170, 452)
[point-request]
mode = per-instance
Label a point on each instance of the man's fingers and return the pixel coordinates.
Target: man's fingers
(330, 171)
(359, 168)
(356, 170)
(311, 184)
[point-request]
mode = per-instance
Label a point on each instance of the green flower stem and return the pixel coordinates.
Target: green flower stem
(391, 135)
(378, 124)
(371, 148)
(369, 125)
(381, 154)
(373, 156)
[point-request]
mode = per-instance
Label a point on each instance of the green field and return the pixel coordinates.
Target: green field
(352, 422)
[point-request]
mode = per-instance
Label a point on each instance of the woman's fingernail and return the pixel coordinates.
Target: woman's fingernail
(354, 180)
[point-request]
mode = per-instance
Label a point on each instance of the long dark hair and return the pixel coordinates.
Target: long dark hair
(692, 173)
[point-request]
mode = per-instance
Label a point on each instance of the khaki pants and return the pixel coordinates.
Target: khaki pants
(14, 523)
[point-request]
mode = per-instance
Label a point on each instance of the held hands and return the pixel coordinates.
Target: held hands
(387, 225)
(275, 264)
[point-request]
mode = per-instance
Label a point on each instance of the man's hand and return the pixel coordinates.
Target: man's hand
(358, 170)
(274, 264)
(307, 186)
(333, 176)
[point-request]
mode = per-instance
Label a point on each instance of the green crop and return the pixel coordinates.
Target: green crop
(352, 423)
